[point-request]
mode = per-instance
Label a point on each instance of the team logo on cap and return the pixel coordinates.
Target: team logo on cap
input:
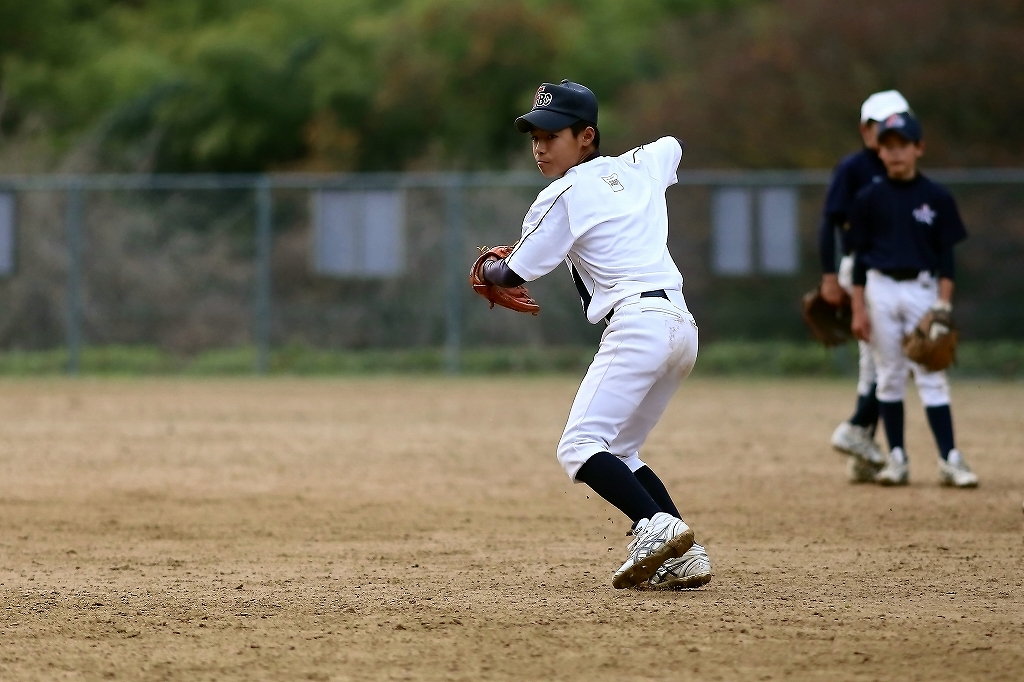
(542, 98)
(924, 214)
(895, 121)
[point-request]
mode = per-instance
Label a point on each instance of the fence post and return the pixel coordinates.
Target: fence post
(455, 268)
(73, 227)
(264, 247)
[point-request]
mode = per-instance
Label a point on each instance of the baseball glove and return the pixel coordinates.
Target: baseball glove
(513, 298)
(829, 323)
(932, 344)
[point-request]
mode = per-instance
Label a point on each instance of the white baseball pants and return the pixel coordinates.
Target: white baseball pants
(646, 351)
(895, 308)
(866, 376)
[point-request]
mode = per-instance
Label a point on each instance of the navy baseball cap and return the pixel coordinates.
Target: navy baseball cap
(903, 124)
(559, 106)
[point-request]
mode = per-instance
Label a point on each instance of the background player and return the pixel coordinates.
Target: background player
(856, 436)
(903, 230)
(606, 218)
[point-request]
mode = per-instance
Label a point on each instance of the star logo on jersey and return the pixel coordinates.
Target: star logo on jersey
(924, 214)
(542, 98)
(613, 182)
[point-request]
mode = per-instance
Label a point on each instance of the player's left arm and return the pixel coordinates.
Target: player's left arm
(946, 287)
(947, 275)
(498, 272)
(950, 232)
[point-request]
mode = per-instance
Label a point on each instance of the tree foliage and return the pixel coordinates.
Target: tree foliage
(241, 85)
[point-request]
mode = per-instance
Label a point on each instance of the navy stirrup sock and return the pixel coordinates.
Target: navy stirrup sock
(650, 481)
(892, 418)
(866, 413)
(941, 420)
(610, 478)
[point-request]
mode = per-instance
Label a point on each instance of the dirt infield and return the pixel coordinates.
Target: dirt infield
(411, 529)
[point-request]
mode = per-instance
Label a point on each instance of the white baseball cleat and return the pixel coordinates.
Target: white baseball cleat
(859, 471)
(857, 441)
(655, 541)
(691, 570)
(955, 471)
(896, 470)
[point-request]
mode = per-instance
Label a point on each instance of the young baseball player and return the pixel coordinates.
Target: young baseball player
(903, 231)
(856, 436)
(606, 219)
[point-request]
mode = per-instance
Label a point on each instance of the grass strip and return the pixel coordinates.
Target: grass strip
(1001, 360)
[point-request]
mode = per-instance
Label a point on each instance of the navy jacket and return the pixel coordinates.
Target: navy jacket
(851, 175)
(904, 225)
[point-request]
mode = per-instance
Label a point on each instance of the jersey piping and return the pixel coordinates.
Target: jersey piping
(539, 222)
(585, 296)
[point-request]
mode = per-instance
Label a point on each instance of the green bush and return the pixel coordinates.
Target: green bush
(1002, 360)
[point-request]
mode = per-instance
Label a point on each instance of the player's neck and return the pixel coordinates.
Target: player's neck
(587, 154)
(905, 178)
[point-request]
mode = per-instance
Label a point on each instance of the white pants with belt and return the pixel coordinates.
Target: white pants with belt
(895, 308)
(867, 376)
(646, 351)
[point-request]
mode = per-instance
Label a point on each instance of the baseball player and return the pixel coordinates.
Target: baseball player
(903, 230)
(606, 219)
(856, 436)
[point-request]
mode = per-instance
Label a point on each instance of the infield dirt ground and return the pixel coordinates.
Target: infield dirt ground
(365, 529)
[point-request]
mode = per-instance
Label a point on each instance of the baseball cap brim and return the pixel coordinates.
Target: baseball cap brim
(544, 119)
(909, 136)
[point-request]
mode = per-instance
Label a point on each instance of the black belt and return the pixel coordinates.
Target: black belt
(902, 274)
(656, 293)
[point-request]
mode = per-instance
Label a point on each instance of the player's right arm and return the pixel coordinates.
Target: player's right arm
(832, 219)
(859, 239)
(861, 323)
(662, 158)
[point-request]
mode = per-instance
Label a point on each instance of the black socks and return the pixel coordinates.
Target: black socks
(892, 418)
(610, 478)
(866, 414)
(941, 420)
(649, 480)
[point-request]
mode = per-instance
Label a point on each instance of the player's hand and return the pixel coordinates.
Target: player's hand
(830, 289)
(861, 325)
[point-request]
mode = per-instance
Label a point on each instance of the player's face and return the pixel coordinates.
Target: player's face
(557, 151)
(869, 133)
(899, 156)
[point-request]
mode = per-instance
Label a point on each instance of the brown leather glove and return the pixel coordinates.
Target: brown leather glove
(932, 344)
(829, 323)
(513, 298)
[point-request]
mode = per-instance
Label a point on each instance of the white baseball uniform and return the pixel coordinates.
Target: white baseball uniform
(607, 220)
(895, 308)
(904, 232)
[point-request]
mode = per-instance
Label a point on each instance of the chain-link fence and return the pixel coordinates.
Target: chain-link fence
(190, 263)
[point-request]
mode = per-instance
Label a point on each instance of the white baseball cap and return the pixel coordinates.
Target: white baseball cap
(882, 105)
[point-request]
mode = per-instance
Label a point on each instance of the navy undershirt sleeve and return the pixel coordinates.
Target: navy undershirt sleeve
(498, 272)
(947, 264)
(837, 198)
(860, 270)
(857, 237)
(827, 245)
